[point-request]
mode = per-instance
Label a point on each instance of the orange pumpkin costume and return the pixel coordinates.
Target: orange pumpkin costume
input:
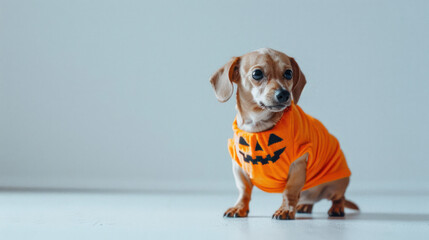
(266, 156)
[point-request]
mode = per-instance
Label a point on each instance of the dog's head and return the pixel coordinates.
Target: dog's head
(269, 78)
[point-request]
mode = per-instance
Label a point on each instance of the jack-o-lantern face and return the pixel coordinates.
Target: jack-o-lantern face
(272, 140)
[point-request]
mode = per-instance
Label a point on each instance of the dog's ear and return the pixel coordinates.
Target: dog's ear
(224, 77)
(298, 81)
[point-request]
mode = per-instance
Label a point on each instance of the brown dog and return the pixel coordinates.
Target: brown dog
(308, 167)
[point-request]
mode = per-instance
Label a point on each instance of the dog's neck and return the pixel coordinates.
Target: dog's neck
(252, 118)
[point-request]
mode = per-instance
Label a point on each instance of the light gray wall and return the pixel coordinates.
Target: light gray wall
(115, 94)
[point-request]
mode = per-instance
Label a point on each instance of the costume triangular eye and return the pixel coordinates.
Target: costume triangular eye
(274, 139)
(258, 147)
(243, 142)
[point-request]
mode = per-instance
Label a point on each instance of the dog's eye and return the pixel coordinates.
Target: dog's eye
(257, 74)
(288, 74)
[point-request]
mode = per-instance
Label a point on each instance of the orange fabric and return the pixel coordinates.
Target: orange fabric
(266, 156)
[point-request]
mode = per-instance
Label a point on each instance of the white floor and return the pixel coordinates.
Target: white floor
(86, 215)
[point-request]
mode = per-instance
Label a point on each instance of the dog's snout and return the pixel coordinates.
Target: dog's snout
(282, 95)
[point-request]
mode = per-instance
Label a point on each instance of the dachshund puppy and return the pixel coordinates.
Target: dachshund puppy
(276, 146)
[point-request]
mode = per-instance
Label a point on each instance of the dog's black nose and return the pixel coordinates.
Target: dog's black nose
(282, 95)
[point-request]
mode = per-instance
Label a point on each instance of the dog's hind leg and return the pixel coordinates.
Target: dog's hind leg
(337, 209)
(335, 191)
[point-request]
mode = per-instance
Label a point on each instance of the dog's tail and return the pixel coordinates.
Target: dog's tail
(351, 205)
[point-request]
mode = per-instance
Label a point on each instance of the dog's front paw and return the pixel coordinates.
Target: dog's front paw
(284, 214)
(236, 212)
(304, 208)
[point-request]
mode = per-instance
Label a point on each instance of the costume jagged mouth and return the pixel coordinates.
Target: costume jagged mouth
(260, 159)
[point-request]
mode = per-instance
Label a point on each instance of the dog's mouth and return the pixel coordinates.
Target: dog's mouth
(260, 159)
(275, 108)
